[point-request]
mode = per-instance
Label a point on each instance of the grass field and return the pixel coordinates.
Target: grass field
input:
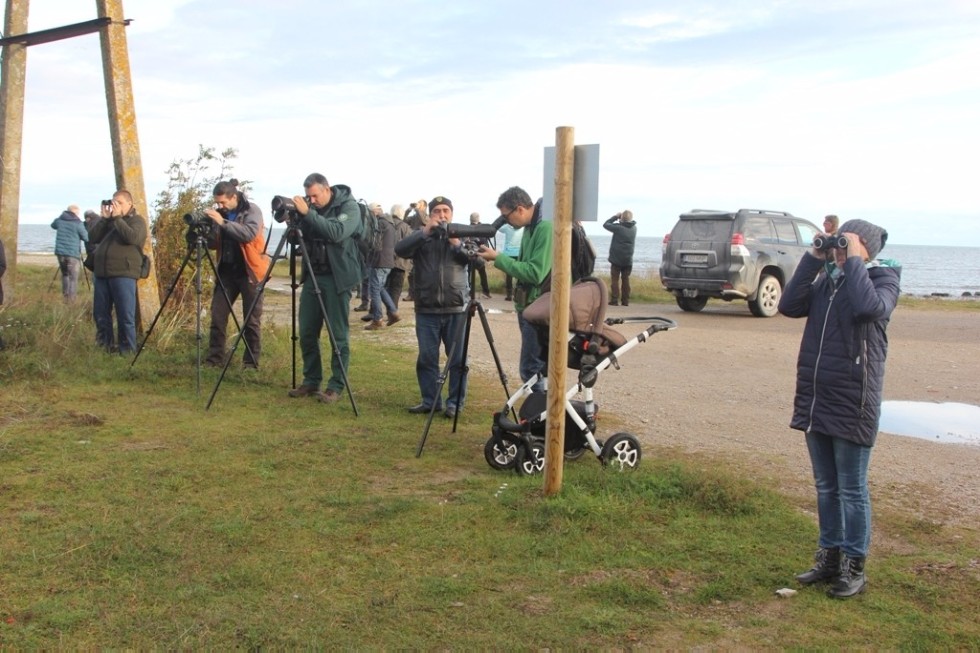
(131, 517)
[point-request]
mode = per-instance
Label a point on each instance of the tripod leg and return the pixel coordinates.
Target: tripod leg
(275, 257)
(293, 285)
(432, 410)
(170, 291)
(230, 302)
(464, 361)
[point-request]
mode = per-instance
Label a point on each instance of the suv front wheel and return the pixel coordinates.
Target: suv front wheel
(766, 302)
(692, 304)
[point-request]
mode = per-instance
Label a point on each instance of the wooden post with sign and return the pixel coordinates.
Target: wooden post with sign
(13, 69)
(561, 279)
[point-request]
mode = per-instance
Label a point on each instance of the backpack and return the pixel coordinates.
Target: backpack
(370, 240)
(583, 254)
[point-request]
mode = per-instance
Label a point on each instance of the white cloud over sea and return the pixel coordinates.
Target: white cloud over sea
(864, 108)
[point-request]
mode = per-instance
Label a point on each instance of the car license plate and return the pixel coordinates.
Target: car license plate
(695, 258)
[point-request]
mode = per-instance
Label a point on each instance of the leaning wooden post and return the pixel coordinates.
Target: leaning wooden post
(12, 75)
(122, 129)
(561, 279)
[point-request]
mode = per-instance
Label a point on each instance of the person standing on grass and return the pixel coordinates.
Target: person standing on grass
(847, 296)
(70, 231)
(396, 277)
(621, 256)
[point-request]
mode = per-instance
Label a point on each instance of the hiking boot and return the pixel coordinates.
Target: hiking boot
(375, 325)
(367, 318)
(394, 318)
(420, 409)
(850, 580)
(614, 302)
(825, 567)
(361, 308)
(328, 396)
(303, 391)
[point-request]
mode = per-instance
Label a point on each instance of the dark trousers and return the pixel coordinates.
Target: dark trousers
(337, 304)
(394, 284)
(482, 273)
(509, 285)
(620, 283)
(235, 285)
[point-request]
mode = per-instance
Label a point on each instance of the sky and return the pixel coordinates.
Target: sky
(864, 108)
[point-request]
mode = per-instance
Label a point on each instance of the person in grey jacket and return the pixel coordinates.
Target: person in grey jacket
(380, 267)
(118, 258)
(70, 231)
(847, 297)
(621, 256)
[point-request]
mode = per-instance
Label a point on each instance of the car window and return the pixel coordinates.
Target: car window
(758, 229)
(709, 230)
(807, 232)
(786, 233)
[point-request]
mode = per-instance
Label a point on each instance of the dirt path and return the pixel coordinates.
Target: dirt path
(722, 384)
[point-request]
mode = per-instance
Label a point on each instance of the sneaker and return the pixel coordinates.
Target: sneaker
(487, 295)
(250, 366)
(394, 318)
(420, 409)
(367, 318)
(303, 391)
(614, 302)
(375, 325)
(450, 412)
(509, 298)
(361, 308)
(328, 397)
(625, 303)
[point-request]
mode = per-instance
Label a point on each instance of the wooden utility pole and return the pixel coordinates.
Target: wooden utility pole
(561, 279)
(125, 141)
(12, 71)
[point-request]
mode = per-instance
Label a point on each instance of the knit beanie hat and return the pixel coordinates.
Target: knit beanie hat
(873, 236)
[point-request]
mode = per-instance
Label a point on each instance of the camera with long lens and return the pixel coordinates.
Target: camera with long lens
(198, 224)
(825, 243)
(284, 209)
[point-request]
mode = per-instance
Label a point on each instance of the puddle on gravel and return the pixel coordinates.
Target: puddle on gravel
(946, 422)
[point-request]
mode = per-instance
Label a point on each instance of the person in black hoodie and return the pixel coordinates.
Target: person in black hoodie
(621, 256)
(847, 296)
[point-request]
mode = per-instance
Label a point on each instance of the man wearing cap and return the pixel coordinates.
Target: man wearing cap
(441, 295)
(847, 296)
(328, 220)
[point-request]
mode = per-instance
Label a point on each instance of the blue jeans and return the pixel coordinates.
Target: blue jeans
(532, 362)
(840, 473)
(431, 330)
(379, 294)
(118, 292)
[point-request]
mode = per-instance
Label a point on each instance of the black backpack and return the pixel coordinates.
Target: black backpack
(370, 240)
(583, 254)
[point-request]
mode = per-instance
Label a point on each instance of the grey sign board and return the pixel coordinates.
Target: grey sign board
(585, 193)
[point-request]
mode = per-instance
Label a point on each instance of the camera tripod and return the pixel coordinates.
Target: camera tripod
(200, 253)
(474, 307)
(293, 237)
(58, 272)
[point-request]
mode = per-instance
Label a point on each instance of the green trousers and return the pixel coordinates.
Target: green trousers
(337, 304)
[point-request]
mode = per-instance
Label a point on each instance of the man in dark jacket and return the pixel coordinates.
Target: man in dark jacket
(441, 295)
(118, 257)
(847, 297)
(329, 221)
(69, 232)
(621, 256)
(384, 261)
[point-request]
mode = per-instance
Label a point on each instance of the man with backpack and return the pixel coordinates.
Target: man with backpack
(330, 223)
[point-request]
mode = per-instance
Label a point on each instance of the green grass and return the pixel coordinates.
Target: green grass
(133, 518)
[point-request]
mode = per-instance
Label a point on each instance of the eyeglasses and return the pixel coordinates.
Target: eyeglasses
(506, 216)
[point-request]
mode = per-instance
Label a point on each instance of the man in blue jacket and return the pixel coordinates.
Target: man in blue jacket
(847, 296)
(70, 231)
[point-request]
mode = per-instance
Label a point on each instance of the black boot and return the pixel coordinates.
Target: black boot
(851, 580)
(825, 567)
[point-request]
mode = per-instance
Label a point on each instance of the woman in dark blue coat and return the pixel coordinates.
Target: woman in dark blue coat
(847, 296)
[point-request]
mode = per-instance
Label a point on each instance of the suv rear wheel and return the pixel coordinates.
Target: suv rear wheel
(692, 304)
(766, 302)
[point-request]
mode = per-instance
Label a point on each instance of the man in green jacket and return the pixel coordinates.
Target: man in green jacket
(328, 218)
(531, 268)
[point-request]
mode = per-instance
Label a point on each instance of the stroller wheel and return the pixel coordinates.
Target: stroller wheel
(500, 453)
(621, 451)
(575, 454)
(530, 459)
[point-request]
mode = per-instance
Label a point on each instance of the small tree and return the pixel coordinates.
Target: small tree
(189, 188)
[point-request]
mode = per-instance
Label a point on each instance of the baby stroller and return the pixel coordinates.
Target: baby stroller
(592, 348)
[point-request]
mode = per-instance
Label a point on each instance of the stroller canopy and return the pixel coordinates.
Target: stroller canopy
(586, 313)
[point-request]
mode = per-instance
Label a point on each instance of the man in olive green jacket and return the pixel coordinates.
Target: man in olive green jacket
(118, 258)
(329, 219)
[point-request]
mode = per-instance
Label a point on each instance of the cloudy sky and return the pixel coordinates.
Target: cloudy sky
(864, 108)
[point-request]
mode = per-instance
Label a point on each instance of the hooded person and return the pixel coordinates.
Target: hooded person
(70, 232)
(847, 296)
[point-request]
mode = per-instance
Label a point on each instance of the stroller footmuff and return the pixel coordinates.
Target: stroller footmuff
(592, 347)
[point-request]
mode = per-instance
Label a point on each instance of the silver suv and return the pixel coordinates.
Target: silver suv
(749, 254)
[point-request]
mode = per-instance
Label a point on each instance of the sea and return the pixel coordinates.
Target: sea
(926, 270)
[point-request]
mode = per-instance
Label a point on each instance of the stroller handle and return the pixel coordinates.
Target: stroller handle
(659, 323)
